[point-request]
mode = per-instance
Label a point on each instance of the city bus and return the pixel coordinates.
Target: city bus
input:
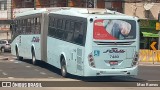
(79, 41)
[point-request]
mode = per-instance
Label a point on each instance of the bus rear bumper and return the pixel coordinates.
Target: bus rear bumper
(112, 72)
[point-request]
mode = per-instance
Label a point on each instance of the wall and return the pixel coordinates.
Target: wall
(3, 35)
(22, 4)
(5, 26)
(137, 9)
(3, 15)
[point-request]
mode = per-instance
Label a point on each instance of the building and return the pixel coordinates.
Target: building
(146, 10)
(5, 19)
(148, 14)
(111, 4)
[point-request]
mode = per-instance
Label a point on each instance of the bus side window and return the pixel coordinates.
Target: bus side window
(25, 25)
(69, 33)
(28, 26)
(78, 33)
(38, 25)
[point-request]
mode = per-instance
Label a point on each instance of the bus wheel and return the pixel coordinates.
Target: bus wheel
(34, 61)
(63, 68)
(17, 55)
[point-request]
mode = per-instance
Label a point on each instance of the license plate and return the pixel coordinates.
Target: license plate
(113, 62)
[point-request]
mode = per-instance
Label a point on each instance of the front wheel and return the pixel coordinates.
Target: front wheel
(17, 55)
(63, 68)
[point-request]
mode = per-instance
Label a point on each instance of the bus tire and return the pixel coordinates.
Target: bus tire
(63, 67)
(17, 55)
(34, 61)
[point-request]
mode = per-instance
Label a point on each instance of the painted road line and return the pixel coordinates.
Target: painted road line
(36, 69)
(4, 73)
(10, 77)
(28, 66)
(17, 62)
(43, 73)
(12, 60)
(51, 77)
(148, 65)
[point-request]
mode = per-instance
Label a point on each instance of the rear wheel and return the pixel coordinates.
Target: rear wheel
(34, 61)
(63, 68)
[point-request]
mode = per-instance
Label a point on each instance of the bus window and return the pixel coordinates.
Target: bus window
(67, 25)
(59, 25)
(78, 33)
(114, 29)
(28, 26)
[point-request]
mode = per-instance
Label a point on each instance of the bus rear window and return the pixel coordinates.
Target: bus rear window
(114, 29)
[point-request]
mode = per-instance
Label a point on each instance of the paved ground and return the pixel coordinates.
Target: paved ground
(14, 70)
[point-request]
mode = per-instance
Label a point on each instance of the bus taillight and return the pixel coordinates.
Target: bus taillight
(91, 60)
(135, 59)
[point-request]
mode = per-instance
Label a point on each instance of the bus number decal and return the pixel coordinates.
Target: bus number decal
(35, 39)
(114, 56)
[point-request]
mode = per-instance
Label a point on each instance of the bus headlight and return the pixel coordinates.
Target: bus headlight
(135, 59)
(91, 60)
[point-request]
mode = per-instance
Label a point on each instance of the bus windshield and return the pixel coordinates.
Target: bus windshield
(114, 29)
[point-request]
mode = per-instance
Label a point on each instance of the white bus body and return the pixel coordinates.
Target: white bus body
(79, 41)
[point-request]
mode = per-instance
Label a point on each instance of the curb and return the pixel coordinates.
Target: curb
(149, 64)
(4, 58)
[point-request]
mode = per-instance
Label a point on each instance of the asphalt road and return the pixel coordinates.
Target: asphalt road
(14, 70)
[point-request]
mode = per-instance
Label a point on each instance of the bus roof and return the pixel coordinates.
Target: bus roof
(95, 12)
(31, 12)
(72, 11)
(86, 11)
(91, 11)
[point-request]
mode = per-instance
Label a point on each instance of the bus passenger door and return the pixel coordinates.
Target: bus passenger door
(77, 61)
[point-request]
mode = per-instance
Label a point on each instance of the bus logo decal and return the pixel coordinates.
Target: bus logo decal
(35, 39)
(114, 50)
(96, 52)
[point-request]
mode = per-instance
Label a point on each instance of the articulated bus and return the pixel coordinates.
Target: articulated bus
(79, 41)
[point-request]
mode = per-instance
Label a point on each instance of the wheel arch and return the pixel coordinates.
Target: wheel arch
(63, 56)
(16, 48)
(33, 48)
